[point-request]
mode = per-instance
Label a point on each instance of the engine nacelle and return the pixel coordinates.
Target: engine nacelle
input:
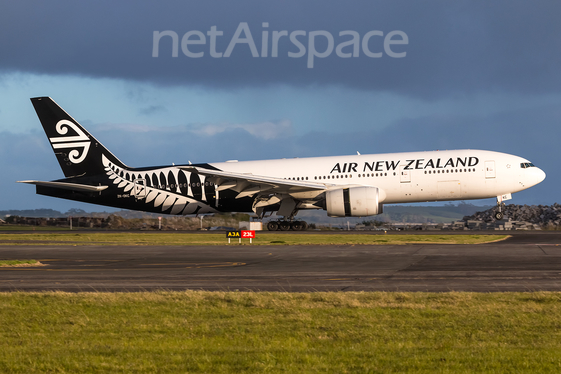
(354, 202)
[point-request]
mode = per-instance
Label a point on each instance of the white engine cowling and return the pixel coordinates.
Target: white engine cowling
(354, 202)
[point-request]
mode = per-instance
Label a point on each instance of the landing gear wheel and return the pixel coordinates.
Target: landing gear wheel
(284, 225)
(499, 213)
(272, 226)
(296, 226)
(304, 226)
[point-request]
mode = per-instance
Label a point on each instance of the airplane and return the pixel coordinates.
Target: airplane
(345, 186)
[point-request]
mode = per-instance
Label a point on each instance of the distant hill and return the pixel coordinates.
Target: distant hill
(429, 214)
(50, 213)
(39, 213)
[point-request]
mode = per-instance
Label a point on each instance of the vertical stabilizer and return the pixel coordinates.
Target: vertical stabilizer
(77, 151)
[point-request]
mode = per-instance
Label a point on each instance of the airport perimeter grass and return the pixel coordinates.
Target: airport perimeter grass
(234, 332)
(10, 263)
(147, 238)
(31, 228)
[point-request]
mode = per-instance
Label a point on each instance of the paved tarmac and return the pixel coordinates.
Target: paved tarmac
(525, 262)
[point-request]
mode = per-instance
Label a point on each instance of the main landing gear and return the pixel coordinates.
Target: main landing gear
(287, 225)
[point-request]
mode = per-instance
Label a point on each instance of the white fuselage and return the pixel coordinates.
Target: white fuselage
(407, 177)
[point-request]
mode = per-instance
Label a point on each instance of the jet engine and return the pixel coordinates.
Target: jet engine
(354, 202)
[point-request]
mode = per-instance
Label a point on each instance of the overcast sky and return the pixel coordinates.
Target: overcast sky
(209, 81)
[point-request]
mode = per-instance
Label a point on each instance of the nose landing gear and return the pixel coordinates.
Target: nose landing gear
(499, 215)
(500, 204)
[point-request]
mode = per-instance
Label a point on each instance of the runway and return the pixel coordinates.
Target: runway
(525, 262)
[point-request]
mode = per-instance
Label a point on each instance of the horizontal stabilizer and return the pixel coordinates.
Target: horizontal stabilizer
(67, 186)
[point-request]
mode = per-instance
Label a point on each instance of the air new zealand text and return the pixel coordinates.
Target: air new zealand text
(420, 163)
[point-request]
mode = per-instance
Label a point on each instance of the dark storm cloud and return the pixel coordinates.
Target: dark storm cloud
(454, 47)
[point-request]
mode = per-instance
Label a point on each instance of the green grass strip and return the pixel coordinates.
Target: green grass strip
(5, 263)
(31, 228)
(147, 238)
(234, 332)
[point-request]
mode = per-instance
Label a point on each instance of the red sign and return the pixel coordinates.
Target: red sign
(248, 234)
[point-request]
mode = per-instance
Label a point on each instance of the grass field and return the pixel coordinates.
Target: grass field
(31, 228)
(233, 332)
(265, 238)
(12, 263)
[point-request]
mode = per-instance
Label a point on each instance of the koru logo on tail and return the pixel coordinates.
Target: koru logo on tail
(79, 141)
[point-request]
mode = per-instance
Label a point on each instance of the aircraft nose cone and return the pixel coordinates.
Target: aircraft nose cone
(540, 176)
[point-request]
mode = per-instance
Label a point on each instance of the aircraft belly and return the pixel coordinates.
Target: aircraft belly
(449, 190)
(159, 199)
(151, 195)
(179, 205)
(169, 201)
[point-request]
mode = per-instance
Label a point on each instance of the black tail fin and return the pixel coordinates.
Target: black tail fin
(77, 152)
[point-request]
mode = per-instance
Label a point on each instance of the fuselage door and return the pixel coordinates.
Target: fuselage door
(405, 175)
(139, 189)
(490, 169)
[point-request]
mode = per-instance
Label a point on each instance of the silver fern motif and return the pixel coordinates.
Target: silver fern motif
(164, 196)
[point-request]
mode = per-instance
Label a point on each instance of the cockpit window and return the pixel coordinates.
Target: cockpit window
(525, 165)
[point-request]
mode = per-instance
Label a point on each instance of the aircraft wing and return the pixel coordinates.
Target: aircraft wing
(250, 184)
